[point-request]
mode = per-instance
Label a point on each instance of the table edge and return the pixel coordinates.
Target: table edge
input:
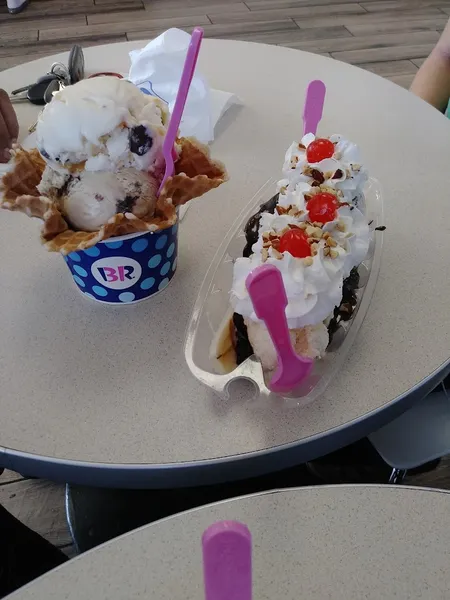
(233, 467)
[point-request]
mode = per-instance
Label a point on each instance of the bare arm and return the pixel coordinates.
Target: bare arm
(432, 82)
(9, 127)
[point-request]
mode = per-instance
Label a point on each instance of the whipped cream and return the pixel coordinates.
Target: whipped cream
(313, 285)
(102, 124)
(343, 172)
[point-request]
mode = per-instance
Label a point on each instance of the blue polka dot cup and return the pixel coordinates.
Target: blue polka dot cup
(126, 269)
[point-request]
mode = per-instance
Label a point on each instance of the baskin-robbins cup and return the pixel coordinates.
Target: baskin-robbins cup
(126, 269)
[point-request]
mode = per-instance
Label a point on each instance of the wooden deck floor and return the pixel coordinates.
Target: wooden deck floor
(388, 37)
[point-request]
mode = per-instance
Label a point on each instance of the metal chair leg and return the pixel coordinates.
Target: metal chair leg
(397, 475)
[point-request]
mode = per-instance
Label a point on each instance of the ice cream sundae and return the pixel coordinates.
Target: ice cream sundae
(315, 232)
(98, 165)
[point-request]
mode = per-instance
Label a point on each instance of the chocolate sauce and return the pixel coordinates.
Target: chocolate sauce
(345, 310)
(252, 227)
(241, 342)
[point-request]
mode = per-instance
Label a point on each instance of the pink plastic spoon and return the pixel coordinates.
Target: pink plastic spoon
(266, 289)
(177, 113)
(227, 561)
(313, 109)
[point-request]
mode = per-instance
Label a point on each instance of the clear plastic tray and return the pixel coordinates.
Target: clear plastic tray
(212, 309)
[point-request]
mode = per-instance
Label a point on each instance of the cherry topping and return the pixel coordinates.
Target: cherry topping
(322, 207)
(318, 150)
(295, 242)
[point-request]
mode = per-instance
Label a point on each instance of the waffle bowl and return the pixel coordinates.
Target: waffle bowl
(207, 329)
(128, 259)
(195, 174)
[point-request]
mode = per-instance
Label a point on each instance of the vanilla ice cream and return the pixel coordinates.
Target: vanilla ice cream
(102, 124)
(101, 140)
(89, 200)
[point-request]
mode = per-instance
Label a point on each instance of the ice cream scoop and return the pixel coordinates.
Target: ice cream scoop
(102, 124)
(89, 199)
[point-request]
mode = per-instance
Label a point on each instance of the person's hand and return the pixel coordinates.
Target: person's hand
(9, 126)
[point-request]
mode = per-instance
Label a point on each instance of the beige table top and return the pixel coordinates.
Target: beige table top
(87, 382)
(343, 542)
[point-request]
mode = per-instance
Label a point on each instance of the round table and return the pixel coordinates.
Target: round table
(94, 394)
(326, 542)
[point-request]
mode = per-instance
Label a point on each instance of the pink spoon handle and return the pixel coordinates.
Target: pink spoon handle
(227, 561)
(180, 102)
(313, 109)
(266, 289)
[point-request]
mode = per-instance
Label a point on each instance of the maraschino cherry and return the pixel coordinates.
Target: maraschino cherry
(322, 207)
(295, 242)
(319, 149)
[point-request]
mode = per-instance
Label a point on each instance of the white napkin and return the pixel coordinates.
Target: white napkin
(156, 70)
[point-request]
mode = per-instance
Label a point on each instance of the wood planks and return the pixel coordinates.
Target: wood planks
(400, 33)
(39, 505)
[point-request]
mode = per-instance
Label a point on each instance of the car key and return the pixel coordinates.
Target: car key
(34, 94)
(45, 78)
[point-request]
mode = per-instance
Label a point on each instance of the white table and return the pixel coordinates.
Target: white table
(104, 396)
(342, 542)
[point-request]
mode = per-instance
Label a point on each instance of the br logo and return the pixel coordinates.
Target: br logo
(116, 272)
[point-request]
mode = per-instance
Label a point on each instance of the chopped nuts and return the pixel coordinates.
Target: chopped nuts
(292, 211)
(326, 251)
(303, 225)
(281, 210)
(276, 254)
(340, 226)
(334, 253)
(330, 242)
(308, 261)
(326, 235)
(264, 254)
